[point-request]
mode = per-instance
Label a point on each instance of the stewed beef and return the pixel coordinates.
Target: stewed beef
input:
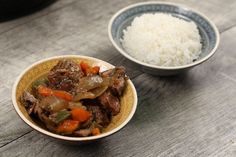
(118, 79)
(29, 101)
(65, 75)
(110, 98)
(110, 102)
(100, 115)
(74, 99)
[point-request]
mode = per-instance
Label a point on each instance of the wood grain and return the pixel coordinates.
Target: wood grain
(192, 114)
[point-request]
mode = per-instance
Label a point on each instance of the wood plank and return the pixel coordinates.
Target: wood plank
(221, 13)
(80, 27)
(201, 123)
(210, 8)
(192, 114)
(17, 54)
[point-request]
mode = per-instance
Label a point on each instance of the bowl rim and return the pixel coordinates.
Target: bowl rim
(216, 31)
(68, 138)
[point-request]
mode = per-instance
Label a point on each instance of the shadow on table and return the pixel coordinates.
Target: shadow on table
(84, 148)
(12, 9)
(161, 97)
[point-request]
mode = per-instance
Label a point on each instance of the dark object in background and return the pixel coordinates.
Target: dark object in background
(10, 9)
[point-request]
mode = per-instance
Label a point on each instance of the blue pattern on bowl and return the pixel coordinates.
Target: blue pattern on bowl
(207, 32)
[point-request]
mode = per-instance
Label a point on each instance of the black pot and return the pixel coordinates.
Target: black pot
(12, 8)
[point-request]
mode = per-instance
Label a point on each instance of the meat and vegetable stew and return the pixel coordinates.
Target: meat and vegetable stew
(76, 99)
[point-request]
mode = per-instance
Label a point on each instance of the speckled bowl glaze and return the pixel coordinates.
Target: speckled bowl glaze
(208, 31)
(38, 69)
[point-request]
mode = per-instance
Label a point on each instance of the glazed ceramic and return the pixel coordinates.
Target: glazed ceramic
(24, 81)
(123, 18)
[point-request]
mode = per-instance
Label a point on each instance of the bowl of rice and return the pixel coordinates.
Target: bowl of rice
(163, 38)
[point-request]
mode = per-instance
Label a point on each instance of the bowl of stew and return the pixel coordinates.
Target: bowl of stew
(74, 98)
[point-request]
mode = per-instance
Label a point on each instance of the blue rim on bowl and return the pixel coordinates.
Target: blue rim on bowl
(126, 15)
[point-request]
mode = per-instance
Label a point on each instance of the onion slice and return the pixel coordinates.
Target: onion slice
(92, 94)
(53, 104)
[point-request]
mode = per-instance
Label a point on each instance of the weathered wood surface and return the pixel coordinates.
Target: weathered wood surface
(192, 114)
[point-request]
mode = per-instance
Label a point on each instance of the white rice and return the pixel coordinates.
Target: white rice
(162, 39)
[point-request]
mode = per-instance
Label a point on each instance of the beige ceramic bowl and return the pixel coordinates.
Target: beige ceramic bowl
(24, 81)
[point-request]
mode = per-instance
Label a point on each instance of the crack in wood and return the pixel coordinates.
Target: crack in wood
(19, 137)
(227, 28)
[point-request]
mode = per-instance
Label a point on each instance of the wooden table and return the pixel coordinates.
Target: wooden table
(193, 114)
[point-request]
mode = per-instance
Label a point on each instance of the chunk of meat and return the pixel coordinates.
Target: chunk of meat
(29, 101)
(118, 78)
(88, 123)
(110, 102)
(100, 115)
(108, 73)
(65, 75)
(32, 106)
(45, 119)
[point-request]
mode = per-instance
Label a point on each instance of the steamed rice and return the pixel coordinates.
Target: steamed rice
(162, 39)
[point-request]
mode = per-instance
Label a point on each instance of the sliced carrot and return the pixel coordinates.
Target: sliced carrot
(45, 91)
(63, 94)
(88, 70)
(95, 69)
(68, 126)
(96, 131)
(84, 66)
(80, 114)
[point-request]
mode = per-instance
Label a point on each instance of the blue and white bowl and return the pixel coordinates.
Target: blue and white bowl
(208, 32)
